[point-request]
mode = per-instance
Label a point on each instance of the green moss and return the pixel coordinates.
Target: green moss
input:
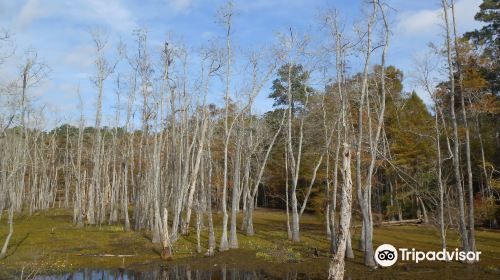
(493, 269)
(265, 256)
(49, 241)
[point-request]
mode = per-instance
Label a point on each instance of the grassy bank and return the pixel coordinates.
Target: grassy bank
(49, 242)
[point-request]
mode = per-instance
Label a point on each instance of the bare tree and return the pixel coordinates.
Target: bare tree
(425, 70)
(227, 19)
(77, 169)
(456, 144)
(103, 70)
(343, 245)
(363, 190)
(458, 61)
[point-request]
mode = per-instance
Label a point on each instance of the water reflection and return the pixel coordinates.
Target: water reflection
(172, 273)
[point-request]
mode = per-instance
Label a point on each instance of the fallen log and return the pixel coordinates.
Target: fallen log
(396, 223)
(400, 223)
(105, 255)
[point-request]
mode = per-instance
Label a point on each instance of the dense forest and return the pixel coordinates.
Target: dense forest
(345, 140)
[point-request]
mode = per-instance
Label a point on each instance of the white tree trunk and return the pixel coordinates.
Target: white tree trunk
(337, 264)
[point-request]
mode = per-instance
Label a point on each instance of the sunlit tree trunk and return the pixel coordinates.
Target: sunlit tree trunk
(456, 144)
(337, 264)
(363, 189)
(471, 232)
(233, 238)
(227, 18)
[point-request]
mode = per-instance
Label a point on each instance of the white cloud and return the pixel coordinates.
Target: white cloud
(207, 35)
(32, 10)
(181, 6)
(80, 57)
(418, 22)
(423, 22)
(111, 13)
(247, 6)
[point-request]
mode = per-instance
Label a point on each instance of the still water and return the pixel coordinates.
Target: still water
(171, 273)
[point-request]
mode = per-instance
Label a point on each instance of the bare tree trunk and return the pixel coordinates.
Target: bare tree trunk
(166, 253)
(471, 237)
(246, 188)
(315, 171)
(455, 159)
(233, 238)
(224, 245)
(333, 198)
(3, 252)
(127, 160)
(424, 210)
(103, 71)
(80, 185)
(253, 194)
(348, 250)
(194, 175)
(227, 17)
(288, 230)
(295, 161)
(198, 221)
(66, 171)
(440, 182)
(483, 160)
(364, 197)
(342, 122)
(337, 263)
(211, 235)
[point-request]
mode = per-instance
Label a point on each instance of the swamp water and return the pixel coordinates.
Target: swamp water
(177, 272)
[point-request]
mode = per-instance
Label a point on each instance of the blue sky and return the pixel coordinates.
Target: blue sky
(58, 31)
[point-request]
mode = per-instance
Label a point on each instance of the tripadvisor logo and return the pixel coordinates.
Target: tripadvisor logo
(387, 255)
